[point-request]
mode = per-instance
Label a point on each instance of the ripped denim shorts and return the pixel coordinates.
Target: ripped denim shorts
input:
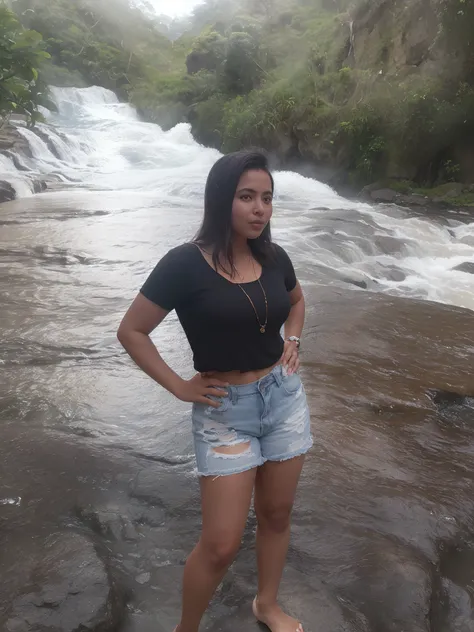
(267, 420)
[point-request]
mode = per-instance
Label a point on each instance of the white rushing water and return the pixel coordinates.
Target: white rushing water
(94, 142)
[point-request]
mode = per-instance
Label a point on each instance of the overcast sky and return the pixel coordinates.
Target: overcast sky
(174, 7)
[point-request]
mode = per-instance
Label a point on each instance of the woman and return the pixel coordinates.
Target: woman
(233, 290)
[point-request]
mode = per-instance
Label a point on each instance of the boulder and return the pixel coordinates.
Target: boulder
(415, 199)
(39, 186)
(383, 195)
(466, 266)
(11, 139)
(7, 192)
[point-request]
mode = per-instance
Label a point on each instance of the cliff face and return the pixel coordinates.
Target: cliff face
(395, 37)
(402, 38)
(417, 60)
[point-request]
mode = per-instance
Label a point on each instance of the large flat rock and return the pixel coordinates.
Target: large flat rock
(62, 585)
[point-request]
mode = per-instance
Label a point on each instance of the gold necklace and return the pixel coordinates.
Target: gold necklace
(264, 326)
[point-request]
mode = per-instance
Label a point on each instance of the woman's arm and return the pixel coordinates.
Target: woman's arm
(294, 327)
(134, 331)
(295, 320)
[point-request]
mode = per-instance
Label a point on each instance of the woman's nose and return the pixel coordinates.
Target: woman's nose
(259, 206)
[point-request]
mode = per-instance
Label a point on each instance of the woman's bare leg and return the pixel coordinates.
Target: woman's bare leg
(225, 505)
(275, 489)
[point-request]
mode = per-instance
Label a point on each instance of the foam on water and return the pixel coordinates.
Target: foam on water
(99, 143)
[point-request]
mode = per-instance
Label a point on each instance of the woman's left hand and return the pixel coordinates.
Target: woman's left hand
(290, 358)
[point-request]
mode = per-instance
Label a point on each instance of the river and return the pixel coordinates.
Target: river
(384, 523)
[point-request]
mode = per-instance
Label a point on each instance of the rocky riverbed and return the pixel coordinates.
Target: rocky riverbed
(383, 532)
(99, 504)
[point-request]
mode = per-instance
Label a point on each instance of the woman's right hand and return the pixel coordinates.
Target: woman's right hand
(200, 388)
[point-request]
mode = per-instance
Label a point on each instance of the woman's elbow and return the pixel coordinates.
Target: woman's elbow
(124, 333)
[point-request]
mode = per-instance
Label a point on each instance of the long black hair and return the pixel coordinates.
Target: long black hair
(216, 227)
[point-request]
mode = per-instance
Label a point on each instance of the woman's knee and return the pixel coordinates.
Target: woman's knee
(274, 518)
(220, 552)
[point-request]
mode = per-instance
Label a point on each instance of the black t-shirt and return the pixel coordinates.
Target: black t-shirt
(218, 319)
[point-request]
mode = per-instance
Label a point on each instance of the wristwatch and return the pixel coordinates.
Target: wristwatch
(294, 339)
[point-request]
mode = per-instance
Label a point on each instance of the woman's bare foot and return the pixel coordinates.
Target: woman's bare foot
(275, 619)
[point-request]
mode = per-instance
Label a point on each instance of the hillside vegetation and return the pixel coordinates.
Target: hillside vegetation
(361, 90)
(22, 52)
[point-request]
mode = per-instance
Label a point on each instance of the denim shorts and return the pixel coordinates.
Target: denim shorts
(270, 417)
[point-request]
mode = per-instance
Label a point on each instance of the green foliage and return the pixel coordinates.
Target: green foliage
(241, 70)
(107, 43)
(207, 118)
(236, 59)
(208, 52)
(281, 74)
(257, 119)
(21, 55)
(465, 201)
(365, 142)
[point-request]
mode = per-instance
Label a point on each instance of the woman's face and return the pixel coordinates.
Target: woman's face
(252, 206)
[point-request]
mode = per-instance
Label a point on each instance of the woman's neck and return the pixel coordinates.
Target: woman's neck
(240, 247)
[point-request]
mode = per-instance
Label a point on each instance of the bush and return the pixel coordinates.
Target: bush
(21, 55)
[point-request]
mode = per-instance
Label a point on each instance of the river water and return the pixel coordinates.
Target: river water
(384, 518)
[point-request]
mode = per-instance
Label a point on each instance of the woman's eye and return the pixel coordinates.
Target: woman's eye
(268, 200)
(245, 198)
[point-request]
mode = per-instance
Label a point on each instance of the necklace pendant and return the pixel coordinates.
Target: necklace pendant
(262, 330)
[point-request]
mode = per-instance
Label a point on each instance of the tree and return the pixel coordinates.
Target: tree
(242, 70)
(21, 54)
(266, 8)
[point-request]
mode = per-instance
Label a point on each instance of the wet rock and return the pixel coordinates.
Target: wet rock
(453, 408)
(366, 283)
(65, 587)
(394, 197)
(17, 160)
(316, 606)
(109, 522)
(439, 198)
(388, 245)
(49, 142)
(356, 282)
(383, 195)
(139, 622)
(390, 273)
(145, 486)
(466, 266)
(312, 603)
(143, 578)
(402, 580)
(445, 399)
(453, 612)
(39, 186)
(12, 140)
(7, 192)
(413, 200)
